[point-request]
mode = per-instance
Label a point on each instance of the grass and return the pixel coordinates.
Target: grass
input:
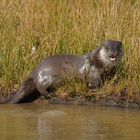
(67, 26)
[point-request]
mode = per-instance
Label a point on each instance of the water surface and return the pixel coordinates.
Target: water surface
(67, 122)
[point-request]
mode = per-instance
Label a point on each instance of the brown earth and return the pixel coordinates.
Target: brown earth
(121, 99)
(117, 100)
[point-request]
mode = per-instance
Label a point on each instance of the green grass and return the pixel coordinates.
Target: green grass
(67, 26)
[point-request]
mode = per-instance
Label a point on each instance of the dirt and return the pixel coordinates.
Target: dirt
(121, 99)
(117, 100)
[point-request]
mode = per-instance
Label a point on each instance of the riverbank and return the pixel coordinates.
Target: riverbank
(122, 100)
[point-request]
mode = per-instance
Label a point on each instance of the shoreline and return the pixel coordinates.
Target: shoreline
(111, 100)
(121, 99)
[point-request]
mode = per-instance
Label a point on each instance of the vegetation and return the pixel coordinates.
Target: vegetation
(68, 26)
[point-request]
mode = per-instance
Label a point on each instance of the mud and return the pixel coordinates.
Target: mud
(116, 100)
(122, 99)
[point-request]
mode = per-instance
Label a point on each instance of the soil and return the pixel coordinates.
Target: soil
(116, 100)
(121, 99)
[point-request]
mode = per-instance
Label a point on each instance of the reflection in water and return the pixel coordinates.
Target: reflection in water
(59, 122)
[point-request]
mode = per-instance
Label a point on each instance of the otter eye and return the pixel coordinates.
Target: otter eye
(114, 51)
(107, 48)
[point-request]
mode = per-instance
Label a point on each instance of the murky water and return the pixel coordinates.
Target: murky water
(66, 122)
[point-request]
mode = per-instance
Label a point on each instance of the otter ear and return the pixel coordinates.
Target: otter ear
(105, 43)
(122, 50)
(120, 43)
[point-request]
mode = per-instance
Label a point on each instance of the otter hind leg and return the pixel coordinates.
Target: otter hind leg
(47, 84)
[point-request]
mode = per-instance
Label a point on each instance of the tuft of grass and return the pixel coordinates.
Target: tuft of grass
(68, 26)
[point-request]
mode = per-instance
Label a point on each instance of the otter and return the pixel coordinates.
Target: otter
(51, 72)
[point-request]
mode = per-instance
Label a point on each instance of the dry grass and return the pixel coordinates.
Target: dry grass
(67, 26)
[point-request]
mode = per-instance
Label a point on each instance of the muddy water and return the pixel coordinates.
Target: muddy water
(59, 122)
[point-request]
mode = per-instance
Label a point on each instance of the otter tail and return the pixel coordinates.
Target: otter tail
(26, 93)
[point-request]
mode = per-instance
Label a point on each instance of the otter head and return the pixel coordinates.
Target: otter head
(111, 52)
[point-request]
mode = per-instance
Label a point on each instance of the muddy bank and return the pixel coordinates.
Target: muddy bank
(116, 100)
(122, 99)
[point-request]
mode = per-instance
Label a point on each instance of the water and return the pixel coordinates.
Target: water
(67, 122)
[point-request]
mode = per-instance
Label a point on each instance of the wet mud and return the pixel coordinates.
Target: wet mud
(117, 100)
(122, 99)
